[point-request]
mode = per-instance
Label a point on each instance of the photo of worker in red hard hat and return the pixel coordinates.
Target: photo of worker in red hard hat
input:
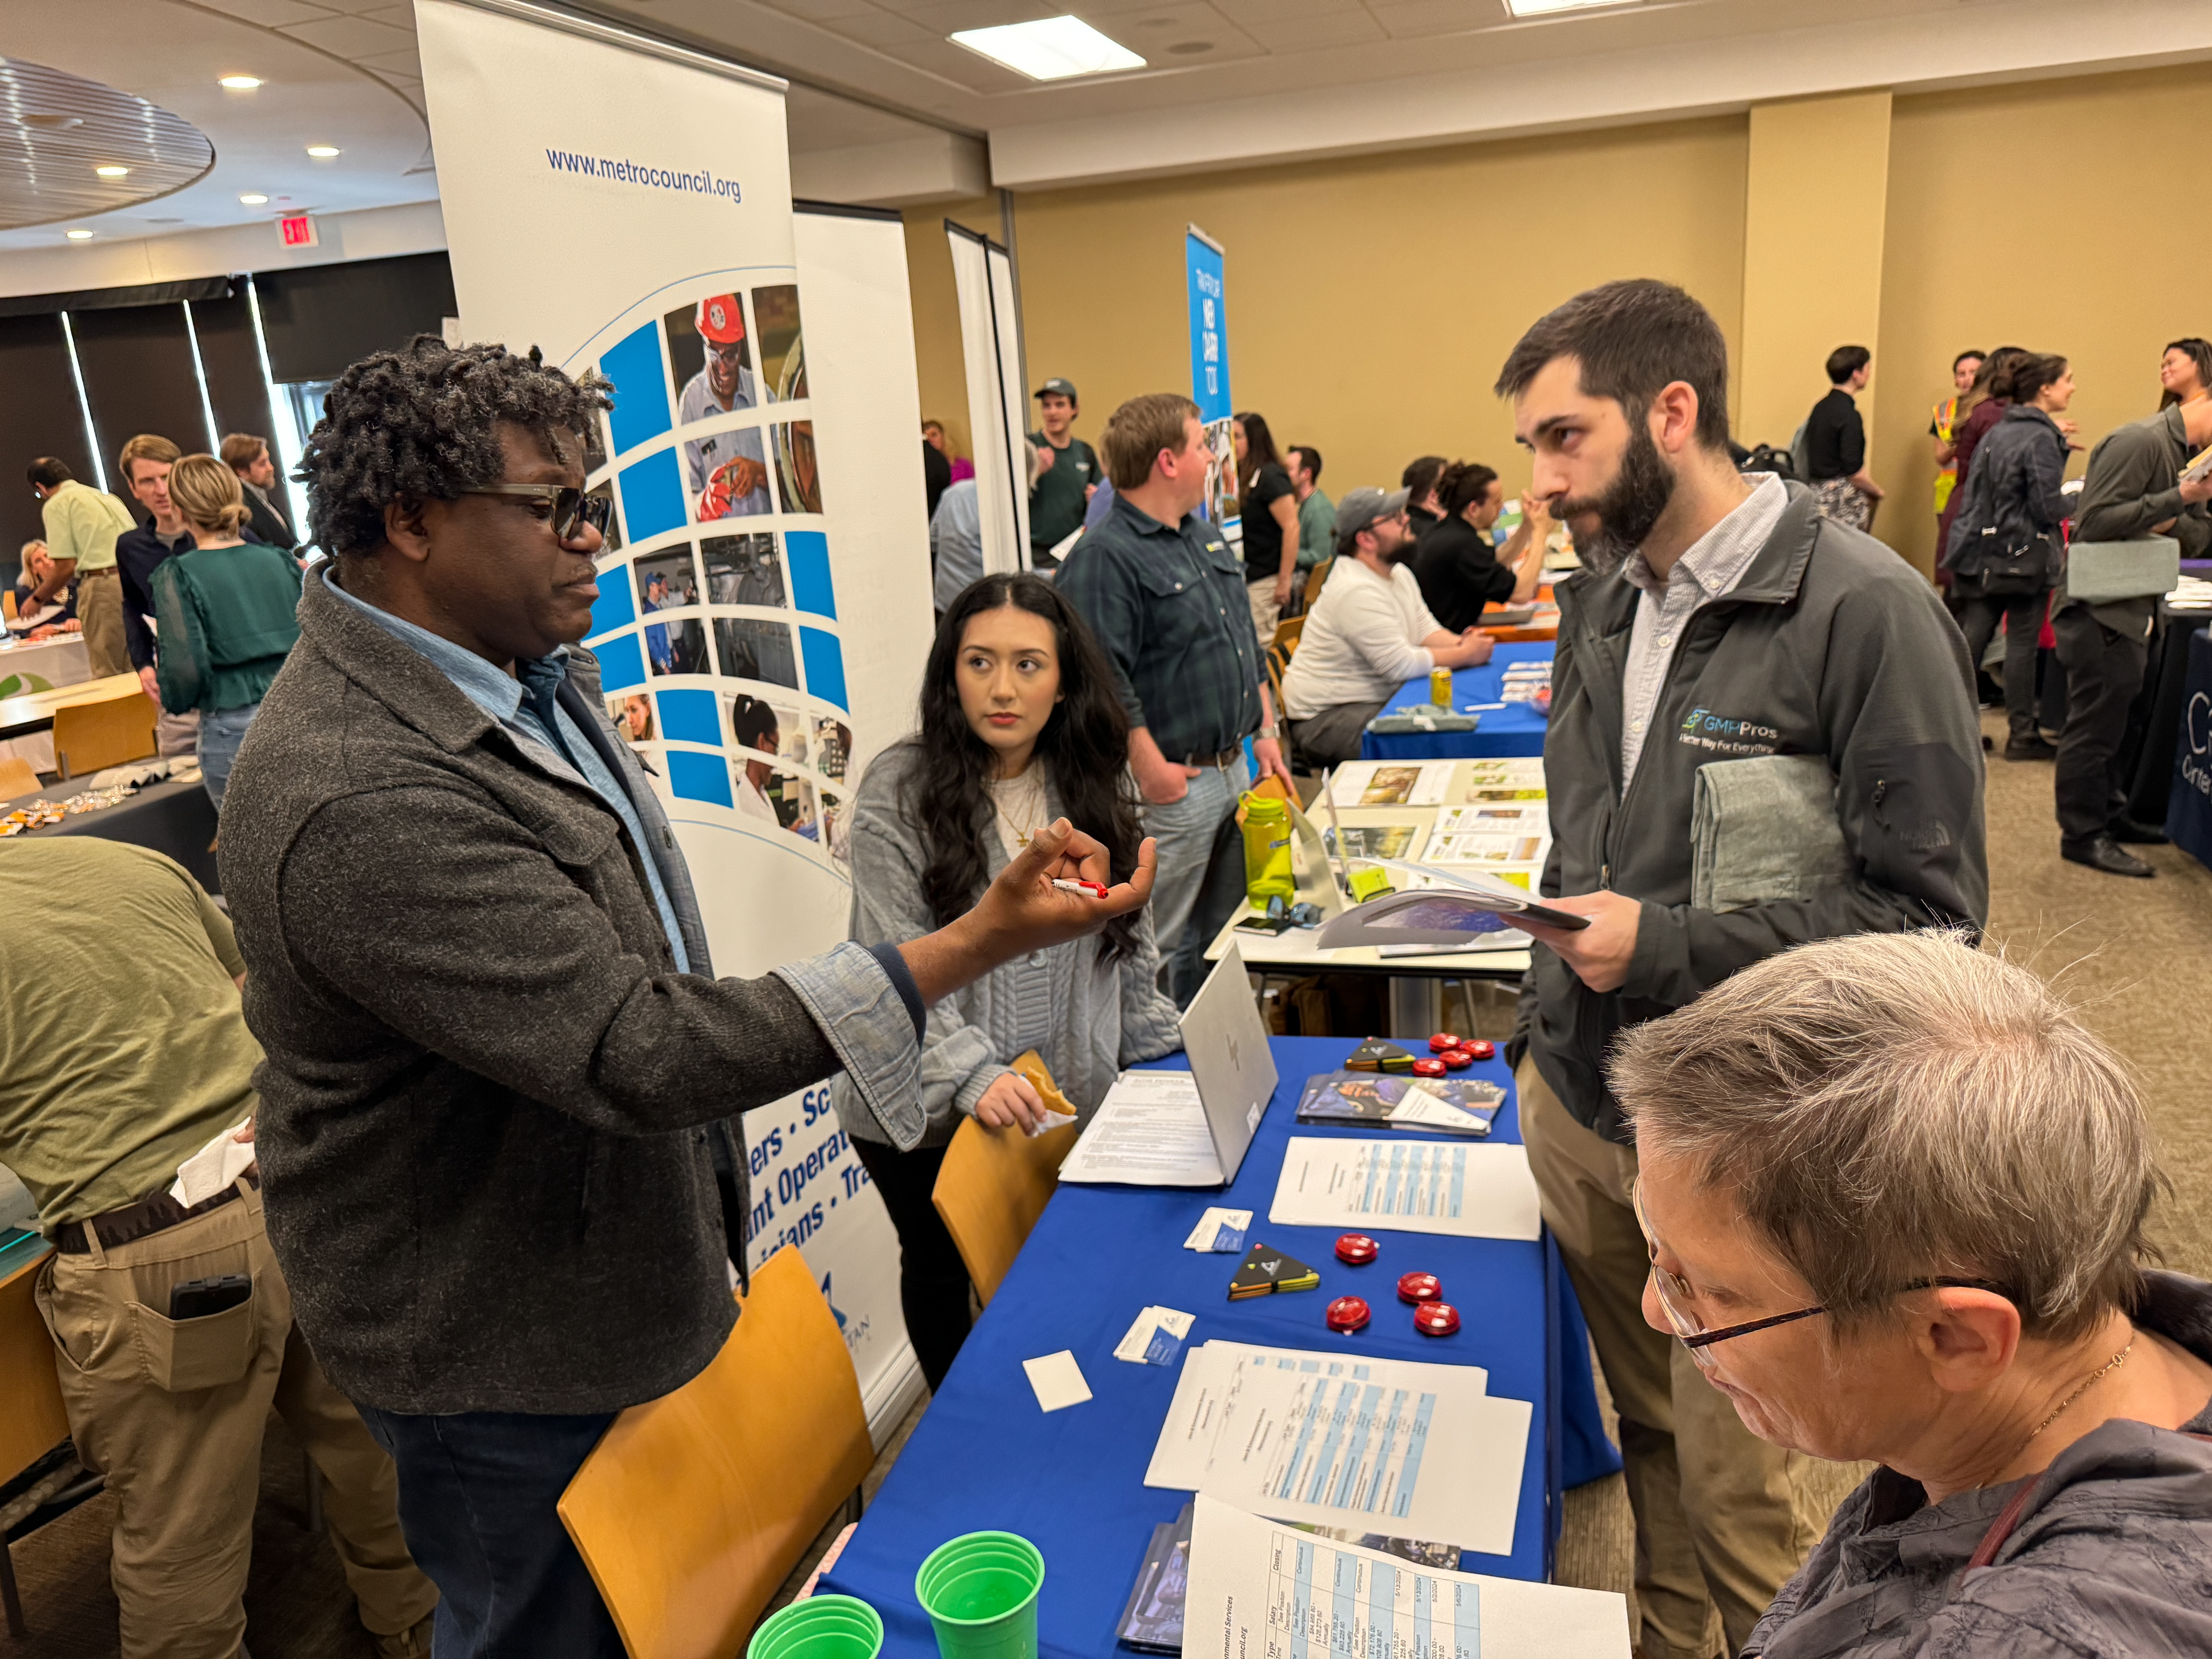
(711, 357)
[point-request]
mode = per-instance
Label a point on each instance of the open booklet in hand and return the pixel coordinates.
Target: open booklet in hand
(1461, 904)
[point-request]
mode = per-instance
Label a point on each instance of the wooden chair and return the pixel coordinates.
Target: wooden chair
(1316, 579)
(994, 1183)
(1287, 635)
(35, 1422)
(695, 1507)
(103, 732)
(17, 777)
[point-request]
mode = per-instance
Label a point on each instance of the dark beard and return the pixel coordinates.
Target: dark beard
(1401, 554)
(1628, 509)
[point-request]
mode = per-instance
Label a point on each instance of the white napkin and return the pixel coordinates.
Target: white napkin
(213, 1168)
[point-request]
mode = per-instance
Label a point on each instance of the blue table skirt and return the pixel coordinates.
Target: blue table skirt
(1071, 1481)
(2189, 805)
(1515, 729)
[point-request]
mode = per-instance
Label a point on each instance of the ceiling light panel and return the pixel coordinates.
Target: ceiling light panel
(1545, 8)
(241, 82)
(1050, 48)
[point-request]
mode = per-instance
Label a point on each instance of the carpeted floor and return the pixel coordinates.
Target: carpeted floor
(2137, 955)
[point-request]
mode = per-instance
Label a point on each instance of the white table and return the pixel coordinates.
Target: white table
(1416, 981)
(40, 665)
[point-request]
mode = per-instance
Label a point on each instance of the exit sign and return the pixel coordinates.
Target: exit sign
(298, 230)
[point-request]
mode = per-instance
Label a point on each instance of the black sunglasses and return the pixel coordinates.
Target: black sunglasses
(572, 508)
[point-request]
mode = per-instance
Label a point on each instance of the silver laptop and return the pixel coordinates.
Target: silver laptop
(1227, 1046)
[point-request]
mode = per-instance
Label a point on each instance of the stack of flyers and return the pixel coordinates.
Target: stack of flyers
(1152, 1620)
(1458, 1105)
(1490, 781)
(1487, 849)
(1528, 682)
(1384, 783)
(1372, 840)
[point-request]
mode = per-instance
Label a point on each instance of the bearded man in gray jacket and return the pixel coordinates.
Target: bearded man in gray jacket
(1716, 618)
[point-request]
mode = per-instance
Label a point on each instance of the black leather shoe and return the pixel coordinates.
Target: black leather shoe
(2105, 853)
(2028, 749)
(2129, 833)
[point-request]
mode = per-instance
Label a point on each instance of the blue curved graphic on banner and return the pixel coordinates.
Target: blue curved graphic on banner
(717, 548)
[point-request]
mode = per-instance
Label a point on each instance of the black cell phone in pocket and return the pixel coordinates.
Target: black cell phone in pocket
(195, 1299)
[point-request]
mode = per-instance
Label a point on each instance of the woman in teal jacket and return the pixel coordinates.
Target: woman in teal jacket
(223, 616)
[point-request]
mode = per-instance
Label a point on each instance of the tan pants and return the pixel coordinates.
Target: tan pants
(171, 1414)
(1714, 1516)
(1260, 597)
(100, 608)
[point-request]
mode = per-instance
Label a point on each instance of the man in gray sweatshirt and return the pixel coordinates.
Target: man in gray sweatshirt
(1716, 618)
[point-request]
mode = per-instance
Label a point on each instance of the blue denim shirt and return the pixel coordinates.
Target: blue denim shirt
(525, 707)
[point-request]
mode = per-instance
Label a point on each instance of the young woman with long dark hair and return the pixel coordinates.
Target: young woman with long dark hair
(1020, 725)
(1268, 507)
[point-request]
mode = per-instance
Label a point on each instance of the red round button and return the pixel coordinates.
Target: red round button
(1357, 1249)
(1479, 1048)
(1442, 1040)
(1429, 1067)
(1349, 1313)
(1456, 1059)
(1419, 1287)
(1435, 1319)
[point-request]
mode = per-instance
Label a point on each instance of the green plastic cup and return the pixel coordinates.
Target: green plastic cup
(820, 1627)
(981, 1593)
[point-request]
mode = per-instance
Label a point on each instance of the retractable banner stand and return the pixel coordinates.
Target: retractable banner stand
(1203, 267)
(625, 207)
(983, 276)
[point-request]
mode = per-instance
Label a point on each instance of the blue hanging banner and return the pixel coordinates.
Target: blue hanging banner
(1209, 326)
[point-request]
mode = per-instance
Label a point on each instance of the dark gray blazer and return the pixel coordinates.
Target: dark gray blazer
(483, 1113)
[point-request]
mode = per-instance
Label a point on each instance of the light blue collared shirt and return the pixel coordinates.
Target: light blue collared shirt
(525, 706)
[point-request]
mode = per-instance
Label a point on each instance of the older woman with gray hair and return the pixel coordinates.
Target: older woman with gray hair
(1894, 1193)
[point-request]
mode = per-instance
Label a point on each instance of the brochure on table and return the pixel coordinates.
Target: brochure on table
(1260, 1589)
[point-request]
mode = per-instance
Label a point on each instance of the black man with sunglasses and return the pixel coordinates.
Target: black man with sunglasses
(500, 1067)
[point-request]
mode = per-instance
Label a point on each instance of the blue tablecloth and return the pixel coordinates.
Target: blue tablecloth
(1071, 1481)
(2189, 806)
(1517, 729)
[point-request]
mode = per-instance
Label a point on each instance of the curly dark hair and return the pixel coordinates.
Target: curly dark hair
(423, 422)
(1084, 747)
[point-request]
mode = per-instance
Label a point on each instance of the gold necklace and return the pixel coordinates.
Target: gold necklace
(1021, 836)
(2110, 1365)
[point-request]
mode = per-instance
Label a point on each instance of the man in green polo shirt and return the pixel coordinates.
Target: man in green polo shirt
(1063, 489)
(82, 525)
(1316, 512)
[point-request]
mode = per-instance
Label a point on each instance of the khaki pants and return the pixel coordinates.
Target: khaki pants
(1713, 1503)
(171, 1414)
(1260, 596)
(100, 608)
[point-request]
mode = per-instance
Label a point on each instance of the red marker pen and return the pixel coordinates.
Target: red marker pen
(1097, 889)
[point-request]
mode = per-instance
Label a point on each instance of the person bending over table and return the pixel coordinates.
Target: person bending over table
(1019, 724)
(38, 571)
(225, 616)
(122, 1055)
(1459, 567)
(499, 1064)
(1892, 1193)
(1369, 633)
(1716, 617)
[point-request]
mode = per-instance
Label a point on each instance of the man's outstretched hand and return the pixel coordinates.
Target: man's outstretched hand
(1022, 911)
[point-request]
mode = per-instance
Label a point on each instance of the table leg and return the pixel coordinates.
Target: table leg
(1415, 1008)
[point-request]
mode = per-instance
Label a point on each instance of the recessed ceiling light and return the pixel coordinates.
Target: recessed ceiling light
(322, 152)
(1540, 8)
(1051, 49)
(80, 235)
(241, 82)
(253, 198)
(112, 172)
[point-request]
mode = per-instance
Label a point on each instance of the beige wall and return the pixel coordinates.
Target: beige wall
(943, 376)
(1818, 175)
(2045, 215)
(1371, 300)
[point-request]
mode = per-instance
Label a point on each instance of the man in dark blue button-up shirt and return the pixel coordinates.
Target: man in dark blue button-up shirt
(1165, 596)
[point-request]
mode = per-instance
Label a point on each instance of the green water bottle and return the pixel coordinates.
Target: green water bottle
(1268, 849)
